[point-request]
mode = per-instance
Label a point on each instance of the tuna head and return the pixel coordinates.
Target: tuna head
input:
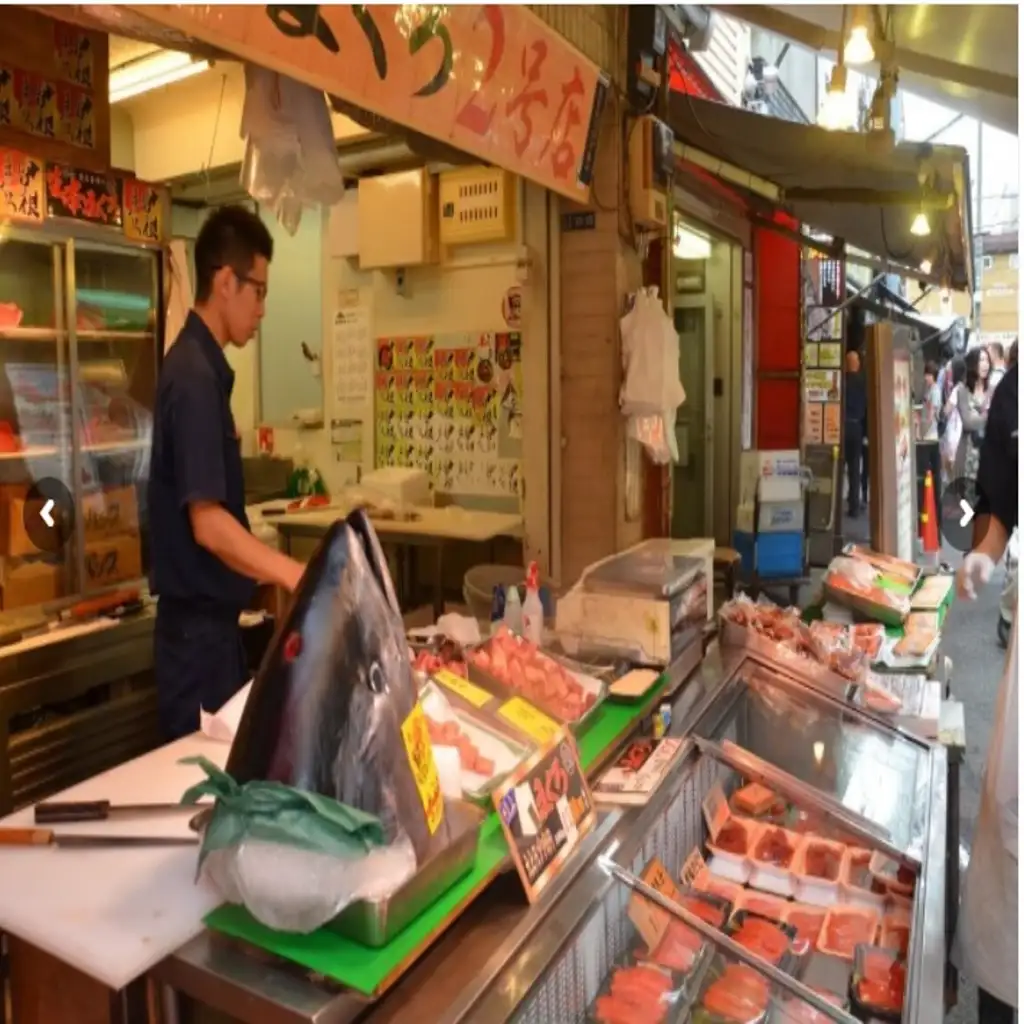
(343, 690)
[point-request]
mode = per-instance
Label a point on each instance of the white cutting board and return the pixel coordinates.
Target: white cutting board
(113, 913)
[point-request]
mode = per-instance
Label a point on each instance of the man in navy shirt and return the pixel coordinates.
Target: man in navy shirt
(205, 559)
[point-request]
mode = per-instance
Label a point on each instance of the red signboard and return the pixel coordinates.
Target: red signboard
(490, 79)
(687, 76)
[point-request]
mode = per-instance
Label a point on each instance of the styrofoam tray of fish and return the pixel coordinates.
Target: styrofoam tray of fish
(510, 666)
(375, 923)
(732, 634)
(486, 757)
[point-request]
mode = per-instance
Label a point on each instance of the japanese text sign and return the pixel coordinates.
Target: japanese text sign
(21, 185)
(650, 920)
(546, 808)
(490, 79)
(83, 195)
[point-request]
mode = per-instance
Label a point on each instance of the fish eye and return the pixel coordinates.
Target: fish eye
(376, 679)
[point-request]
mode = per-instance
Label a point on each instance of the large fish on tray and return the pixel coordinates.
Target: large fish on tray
(333, 709)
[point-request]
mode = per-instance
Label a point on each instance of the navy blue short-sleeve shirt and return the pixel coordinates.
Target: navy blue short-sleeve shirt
(196, 457)
(997, 469)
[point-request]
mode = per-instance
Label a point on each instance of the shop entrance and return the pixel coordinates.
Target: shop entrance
(707, 289)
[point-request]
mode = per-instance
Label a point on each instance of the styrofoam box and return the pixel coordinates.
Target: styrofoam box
(819, 892)
(854, 894)
(781, 517)
(770, 877)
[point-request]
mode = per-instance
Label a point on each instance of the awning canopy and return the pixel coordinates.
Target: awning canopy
(842, 184)
(963, 56)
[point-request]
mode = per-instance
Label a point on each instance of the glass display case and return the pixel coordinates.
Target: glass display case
(833, 827)
(80, 319)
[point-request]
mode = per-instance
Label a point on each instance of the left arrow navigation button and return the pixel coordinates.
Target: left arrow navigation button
(49, 516)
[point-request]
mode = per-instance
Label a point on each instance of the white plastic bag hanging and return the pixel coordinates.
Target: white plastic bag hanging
(650, 359)
(290, 159)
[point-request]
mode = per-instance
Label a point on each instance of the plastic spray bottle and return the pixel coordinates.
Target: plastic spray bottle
(513, 609)
(533, 607)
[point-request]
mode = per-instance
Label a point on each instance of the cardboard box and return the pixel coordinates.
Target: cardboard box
(110, 513)
(112, 560)
(30, 583)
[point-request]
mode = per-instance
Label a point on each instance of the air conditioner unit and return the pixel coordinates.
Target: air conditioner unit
(650, 171)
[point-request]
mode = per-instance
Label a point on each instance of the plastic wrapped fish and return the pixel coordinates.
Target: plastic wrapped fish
(334, 709)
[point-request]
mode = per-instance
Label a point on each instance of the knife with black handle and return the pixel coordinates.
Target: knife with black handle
(64, 811)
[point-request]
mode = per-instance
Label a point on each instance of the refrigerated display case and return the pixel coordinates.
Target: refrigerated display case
(80, 312)
(81, 315)
(744, 721)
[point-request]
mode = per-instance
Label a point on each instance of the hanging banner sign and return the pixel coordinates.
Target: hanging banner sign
(491, 79)
(143, 211)
(83, 195)
(21, 186)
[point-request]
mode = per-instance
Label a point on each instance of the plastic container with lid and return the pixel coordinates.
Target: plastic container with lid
(731, 862)
(708, 882)
(817, 870)
(807, 921)
(661, 991)
(855, 880)
(845, 928)
(772, 907)
(732, 993)
(878, 983)
(771, 869)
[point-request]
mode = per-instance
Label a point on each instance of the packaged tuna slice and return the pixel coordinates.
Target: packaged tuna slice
(772, 857)
(856, 879)
(807, 921)
(708, 882)
(817, 870)
(636, 991)
(730, 848)
(792, 1010)
(756, 801)
(878, 985)
(770, 940)
(772, 907)
(334, 709)
(733, 993)
(845, 928)
(682, 949)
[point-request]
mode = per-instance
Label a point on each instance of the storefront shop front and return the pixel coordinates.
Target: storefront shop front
(455, 314)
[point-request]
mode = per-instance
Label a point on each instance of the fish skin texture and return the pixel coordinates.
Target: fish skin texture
(329, 720)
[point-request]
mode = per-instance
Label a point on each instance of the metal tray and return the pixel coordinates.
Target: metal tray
(731, 634)
(375, 923)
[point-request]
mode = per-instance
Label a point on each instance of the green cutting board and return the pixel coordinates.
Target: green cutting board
(364, 969)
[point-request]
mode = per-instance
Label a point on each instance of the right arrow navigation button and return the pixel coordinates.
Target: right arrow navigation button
(956, 515)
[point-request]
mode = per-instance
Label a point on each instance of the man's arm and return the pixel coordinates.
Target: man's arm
(216, 530)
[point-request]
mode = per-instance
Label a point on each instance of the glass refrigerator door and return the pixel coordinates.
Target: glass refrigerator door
(114, 312)
(880, 775)
(38, 563)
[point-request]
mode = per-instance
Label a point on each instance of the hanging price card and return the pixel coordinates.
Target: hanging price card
(546, 808)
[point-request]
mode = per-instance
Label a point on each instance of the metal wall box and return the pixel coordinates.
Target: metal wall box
(478, 204)
(398, 220)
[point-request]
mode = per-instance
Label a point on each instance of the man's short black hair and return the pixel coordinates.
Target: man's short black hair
(931, 368)
(231, 236)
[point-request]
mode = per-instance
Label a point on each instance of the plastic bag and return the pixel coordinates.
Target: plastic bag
(650, 359)
(290, 159)
(293, 859)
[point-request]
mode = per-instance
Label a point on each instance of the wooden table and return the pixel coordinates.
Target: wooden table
(432, 528)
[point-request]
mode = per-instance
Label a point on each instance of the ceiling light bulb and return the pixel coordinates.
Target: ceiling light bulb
(858, 49)
(838, 111)
(920, 226)
(926, 266)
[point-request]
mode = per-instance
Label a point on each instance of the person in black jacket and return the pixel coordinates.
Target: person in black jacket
(854, 433)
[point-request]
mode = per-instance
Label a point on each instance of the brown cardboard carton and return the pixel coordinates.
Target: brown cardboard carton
(112, 560)
(108, 513)
(30, 583)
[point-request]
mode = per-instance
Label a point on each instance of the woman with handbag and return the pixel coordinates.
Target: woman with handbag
(972, 405)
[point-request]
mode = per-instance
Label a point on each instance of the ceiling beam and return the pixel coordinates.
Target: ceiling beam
(815, 37)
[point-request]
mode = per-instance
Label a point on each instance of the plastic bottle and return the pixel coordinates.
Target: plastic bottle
(533, 607)
(513, 609)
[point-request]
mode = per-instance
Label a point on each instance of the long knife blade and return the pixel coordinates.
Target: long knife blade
(47, 837)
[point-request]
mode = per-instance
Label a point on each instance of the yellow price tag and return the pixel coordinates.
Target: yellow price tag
(464, 688)
(416, 738)
(534, 723)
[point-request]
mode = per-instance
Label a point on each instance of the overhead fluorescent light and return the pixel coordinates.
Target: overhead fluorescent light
(920, 227)
(164, 67)
(688, 244)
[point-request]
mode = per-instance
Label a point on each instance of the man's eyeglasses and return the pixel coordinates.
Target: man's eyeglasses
(259, 287)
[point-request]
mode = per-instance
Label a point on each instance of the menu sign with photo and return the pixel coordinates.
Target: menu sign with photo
(546, 808)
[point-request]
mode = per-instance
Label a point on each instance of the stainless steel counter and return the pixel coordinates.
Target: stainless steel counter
(504, 960)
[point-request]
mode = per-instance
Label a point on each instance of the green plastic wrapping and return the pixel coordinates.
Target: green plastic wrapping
(275, 813)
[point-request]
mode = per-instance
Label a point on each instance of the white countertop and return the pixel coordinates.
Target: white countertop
(113, 913)
(450, 523)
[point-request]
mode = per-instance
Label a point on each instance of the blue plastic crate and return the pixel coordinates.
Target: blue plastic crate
(771, 555)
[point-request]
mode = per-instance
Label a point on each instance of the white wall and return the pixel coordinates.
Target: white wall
(194, 125)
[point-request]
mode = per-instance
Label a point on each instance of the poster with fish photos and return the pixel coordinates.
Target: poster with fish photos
(452, 404)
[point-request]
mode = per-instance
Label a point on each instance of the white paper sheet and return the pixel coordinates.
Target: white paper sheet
(351, 357)
(223, 725)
